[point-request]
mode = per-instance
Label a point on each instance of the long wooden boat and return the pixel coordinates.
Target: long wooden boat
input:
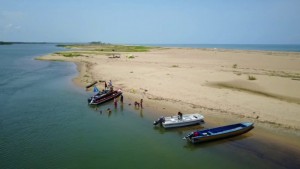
(177, 121)
(92, 84)
(104, 97)
(219, 132)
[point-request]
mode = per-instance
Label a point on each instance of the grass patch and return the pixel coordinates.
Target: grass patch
(174, 66)
(105, 47)
(234, 66)
(130, 57)
(68, 54)
(251, 77)
(120, 48)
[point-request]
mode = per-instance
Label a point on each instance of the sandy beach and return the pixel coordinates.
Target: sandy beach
(258, 86)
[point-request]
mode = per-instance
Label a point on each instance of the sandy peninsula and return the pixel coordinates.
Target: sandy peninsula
(260, 86)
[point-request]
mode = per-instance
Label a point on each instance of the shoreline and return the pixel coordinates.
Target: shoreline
(161, 62)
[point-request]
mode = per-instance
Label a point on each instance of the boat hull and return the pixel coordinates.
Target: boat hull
(186, 120)
(210, 135)
(182, 124)
(104, 99)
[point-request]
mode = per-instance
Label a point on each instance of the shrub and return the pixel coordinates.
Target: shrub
(68, 54)
(131, 57)
(251, 78)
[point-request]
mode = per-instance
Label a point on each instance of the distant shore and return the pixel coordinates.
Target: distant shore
(258, 86)
(244, 47)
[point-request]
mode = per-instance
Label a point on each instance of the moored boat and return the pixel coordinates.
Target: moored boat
(180, 121)
(219, 132)
(104, 96)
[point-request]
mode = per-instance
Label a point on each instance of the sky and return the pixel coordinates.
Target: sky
(151, 22)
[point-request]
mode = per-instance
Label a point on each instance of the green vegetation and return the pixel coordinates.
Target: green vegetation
(120, 48)
(251, 78)
(5, 43)
(175, 66)
(68, 54)
(234, 66)
(65, 46)
(130, 57)
(99, 43)
(106, 47)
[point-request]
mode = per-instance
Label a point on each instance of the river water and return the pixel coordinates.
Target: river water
(45, 122)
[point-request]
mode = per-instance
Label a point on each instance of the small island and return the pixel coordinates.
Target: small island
(244, 84)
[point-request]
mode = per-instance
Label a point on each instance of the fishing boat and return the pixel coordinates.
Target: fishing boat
(104, 96)
(219, 132)
(180, 121)
(92, 84)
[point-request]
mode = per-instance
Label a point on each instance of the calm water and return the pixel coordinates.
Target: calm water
(263, 47)
(45, 122)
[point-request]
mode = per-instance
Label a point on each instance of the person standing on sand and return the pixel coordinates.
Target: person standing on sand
(105, 84)
(115, 102)
(141, 103)
(121, 98)
(110, 83)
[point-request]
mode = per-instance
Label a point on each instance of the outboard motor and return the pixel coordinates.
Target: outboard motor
(189, 136)
(89, 100)
(159, 121)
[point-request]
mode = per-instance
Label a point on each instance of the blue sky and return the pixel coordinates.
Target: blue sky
(155, 21)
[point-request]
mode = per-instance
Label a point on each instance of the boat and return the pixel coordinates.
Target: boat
(180, 121)
(104, 96)
(219, 132)
(92, 84)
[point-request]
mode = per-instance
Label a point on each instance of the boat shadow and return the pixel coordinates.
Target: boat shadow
(229, 140)
(179, 130)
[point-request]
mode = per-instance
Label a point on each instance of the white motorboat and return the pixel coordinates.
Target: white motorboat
(180, 121)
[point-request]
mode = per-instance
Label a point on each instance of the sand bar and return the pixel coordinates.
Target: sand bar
(214, 82)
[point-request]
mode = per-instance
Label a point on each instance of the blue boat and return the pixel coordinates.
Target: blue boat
(219, 132)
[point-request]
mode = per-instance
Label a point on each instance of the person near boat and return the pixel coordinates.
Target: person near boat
(121, 98)
(141, 103)
(179, 115)
(115, 102)
(105, 85)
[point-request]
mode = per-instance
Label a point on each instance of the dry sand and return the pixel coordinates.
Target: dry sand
(213, 82)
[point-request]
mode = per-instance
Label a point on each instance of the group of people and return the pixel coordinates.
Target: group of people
(138, 104)
(109, 86)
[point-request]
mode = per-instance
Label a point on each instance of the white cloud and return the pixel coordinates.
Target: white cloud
(8, 26)
(11, 27)
(10, 21)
